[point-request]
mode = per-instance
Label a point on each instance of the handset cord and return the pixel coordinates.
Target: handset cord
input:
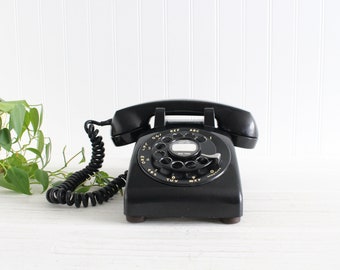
(65, 192)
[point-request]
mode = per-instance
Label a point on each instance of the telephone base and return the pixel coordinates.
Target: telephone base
(133, 219)
(210, 193)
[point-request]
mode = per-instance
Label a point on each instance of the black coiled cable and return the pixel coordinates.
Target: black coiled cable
(64, 193)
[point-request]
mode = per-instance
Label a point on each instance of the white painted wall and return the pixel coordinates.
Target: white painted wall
(85, 59)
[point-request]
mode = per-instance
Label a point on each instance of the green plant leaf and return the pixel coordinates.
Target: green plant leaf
(40, 141)
(27, 121)
(5, 139)
(48, 149)
(31, 169)
(19, 179)
(5, 184)
(17, 117)
(16, 160)
(34, 117)
(42, 178)
(101, 178)
(83, 189)
(57, 183)
(36, 152)
(41, 114)
(0, 122)
(7, 106)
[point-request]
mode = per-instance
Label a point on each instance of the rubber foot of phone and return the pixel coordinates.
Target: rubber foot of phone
(230, 220)
(135, 219)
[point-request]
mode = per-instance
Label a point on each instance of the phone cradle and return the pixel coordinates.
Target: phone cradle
(184, 170)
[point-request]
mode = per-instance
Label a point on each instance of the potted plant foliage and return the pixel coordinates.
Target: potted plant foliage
(25, 151)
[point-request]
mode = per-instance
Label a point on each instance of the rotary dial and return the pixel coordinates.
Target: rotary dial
(184, 156)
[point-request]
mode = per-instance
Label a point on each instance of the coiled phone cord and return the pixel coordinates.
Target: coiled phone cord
(65, 194)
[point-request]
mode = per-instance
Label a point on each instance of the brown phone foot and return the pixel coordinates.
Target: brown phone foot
(135, 219)
(230, 220)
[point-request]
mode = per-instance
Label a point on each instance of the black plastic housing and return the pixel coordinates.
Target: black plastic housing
(220, 198)
(159, 185)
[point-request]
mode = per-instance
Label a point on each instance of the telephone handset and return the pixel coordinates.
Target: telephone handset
(177, 169)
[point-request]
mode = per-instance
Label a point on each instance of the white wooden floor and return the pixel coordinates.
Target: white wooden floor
(291, 221)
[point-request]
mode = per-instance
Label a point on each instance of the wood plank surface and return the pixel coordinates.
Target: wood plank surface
(280, 229)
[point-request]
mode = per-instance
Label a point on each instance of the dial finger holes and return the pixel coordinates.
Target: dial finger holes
(160, 146)
(201, 139)
(202, 160)
(177, 135)
(166, 139)
(165, 161)
(190, 164)
(189, 135)
(159, 154)
(177, 164)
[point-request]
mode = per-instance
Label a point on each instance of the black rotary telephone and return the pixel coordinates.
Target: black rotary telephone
(178, 168)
